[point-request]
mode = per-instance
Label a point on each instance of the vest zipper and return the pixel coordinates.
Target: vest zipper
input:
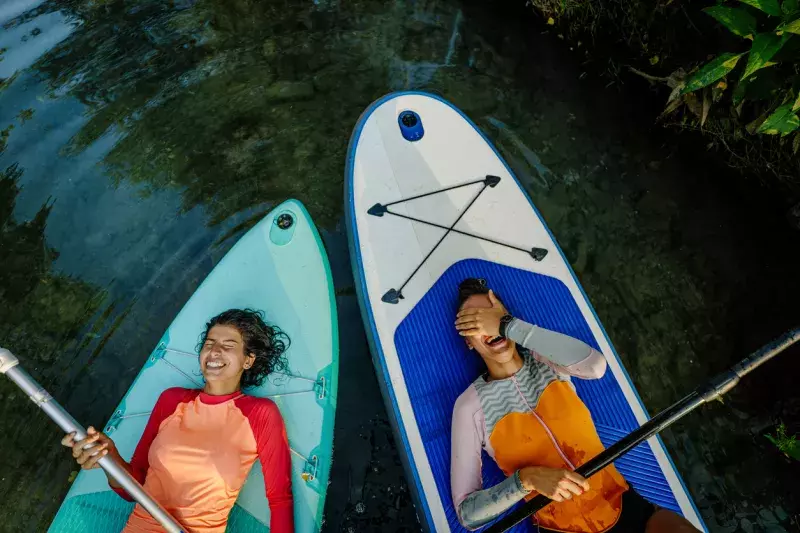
(546, 429)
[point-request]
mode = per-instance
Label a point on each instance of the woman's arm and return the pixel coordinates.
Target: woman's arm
(96, 445)
(483, 506)
(88, 451)
(276, 464)
(566, 354)
(475, 507)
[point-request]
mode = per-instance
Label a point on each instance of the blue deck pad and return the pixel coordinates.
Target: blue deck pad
(438, 367)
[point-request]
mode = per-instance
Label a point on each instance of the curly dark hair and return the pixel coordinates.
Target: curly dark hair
(470, 287)
(268, 343)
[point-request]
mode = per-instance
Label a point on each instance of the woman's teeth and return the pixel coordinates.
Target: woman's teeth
(215, 364)
(495, 341)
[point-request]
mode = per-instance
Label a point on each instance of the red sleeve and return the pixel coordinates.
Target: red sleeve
(165, 406)
(276, 463)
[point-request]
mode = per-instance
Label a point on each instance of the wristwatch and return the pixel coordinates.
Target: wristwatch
(504, 322)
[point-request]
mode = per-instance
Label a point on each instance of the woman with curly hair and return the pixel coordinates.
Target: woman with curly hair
(199, 445)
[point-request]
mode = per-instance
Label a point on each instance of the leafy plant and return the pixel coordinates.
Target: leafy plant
(785, 443)
(770, 25)
(736, 19)
(782, 121)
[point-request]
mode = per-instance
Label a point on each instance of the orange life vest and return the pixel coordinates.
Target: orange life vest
(559, 433)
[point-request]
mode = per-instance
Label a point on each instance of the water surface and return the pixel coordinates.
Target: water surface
(140, 138)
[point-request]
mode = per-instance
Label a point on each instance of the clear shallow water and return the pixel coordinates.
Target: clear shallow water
(138, 139)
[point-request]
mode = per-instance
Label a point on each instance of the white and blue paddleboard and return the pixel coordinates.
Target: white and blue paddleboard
(280, 267)
(416, 167)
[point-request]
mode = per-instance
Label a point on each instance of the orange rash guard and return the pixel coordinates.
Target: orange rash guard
(196, 452)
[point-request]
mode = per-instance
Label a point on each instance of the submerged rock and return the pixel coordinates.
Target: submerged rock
(780, 513)
(290, 90)
(269, 48)
(766, 517)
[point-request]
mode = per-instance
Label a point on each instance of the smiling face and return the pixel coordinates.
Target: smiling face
(222, 357)
(496, 349)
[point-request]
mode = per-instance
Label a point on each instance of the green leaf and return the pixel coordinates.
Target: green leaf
(790, 27)
(765, 46)
(796, 104)
(782, 121)
(736, 19)
(740, 91)
(790, 6)
(711, 72)
(770, 7)
(785, 443)
(765, 85)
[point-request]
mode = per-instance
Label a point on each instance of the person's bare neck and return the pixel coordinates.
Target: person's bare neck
(505, 369)
(221, 388)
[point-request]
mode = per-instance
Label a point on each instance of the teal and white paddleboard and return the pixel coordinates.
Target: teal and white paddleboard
(279, 267)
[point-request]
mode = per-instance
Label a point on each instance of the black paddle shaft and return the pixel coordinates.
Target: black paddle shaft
(712, 390)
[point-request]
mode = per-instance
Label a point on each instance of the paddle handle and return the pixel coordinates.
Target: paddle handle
(718, 386)
(9, 365)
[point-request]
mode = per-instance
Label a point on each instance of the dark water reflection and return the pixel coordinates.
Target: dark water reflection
(138, 139)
